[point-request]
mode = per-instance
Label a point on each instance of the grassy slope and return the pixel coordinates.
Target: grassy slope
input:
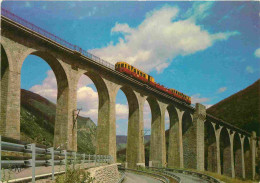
(241, 109)
(37, 123)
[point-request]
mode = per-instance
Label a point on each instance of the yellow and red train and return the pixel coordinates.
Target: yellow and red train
(142, 76)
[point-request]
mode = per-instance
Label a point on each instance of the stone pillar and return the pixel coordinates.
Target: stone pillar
(106, 128)
(175, 157)
(193, 139)
(253, 153)
(10, 88)
(135, 134)
(242, 138)
(228, 156)
(157, 140)
(10, 104)
(199, 118)
(73, 143)
(217, 135)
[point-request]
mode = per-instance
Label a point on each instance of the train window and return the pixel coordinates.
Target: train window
(138, 72)
(144, 75)
(128, 67)
(122, 65)
(134, 70)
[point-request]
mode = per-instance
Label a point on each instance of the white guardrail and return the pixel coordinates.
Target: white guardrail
(49, 157)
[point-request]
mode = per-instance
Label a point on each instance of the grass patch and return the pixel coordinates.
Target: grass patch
(223, 178)
(226, 178)
(75, 175)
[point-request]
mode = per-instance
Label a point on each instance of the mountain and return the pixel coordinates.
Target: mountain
(241, 109)
(38, 118)
(121, 141)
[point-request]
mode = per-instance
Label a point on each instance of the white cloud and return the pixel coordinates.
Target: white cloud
(197, 99)
(250, 69)
(121, 28)
(83, 81)
(44, 7)
(28, 4)
(208, 105)
(257, 53)
(221, 90)
(147, 116)
(121, 111)
(159, 39)
(48, 88)
(199, 10)
(93, 11)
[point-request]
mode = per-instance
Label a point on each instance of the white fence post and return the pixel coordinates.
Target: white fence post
(66, 161)
(84, 157)
(33, 162)
(52, 163)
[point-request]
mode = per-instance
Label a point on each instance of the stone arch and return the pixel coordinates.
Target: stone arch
(157, 139)
(238, 156)
(135, 139)
(248, 158)
(210, 148)
(7, 53)
(5, 71)
(225, 153)
(106, 130)
(63, 120)
(174, 157)
(189, 142)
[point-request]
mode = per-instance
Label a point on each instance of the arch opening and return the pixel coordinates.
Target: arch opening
(40, 111)
(122, 123)
(147, 131)
(210, 148)
(173, 153)
(102, 111)
(238, 156)
(156, 139)
(167, 131)
(248, 158)
(189, 143)
(88, 104)
(225, 153)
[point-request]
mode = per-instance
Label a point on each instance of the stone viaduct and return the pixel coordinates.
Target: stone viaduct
(193, 134)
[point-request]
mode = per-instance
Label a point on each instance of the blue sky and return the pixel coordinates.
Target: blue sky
(208, 50)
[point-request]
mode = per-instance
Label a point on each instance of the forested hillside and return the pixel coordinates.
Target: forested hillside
(37, 123)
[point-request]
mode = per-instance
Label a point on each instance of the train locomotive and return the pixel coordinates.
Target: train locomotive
(142, 76)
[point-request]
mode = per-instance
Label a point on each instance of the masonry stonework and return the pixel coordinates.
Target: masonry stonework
(105, 174)
(186, 137)
(175, 156)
